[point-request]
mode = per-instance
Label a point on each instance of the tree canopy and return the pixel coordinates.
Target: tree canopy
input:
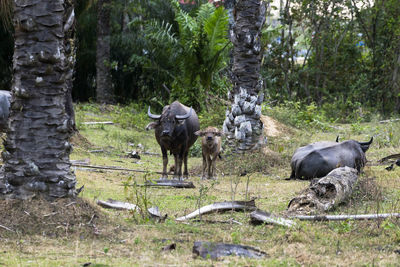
(341, 55)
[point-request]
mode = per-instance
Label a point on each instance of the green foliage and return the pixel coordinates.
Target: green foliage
(236, 237)
(138, 195)
(132, 115)
(214, 115)
(347, 62)
(202, 42)
(342, 227)
(196, 150)
(298, 115)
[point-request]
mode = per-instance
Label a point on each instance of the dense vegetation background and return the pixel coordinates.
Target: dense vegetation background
(335, 59)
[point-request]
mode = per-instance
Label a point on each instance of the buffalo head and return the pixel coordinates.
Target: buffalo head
(210, 135)
(167, 121)
(365, 145)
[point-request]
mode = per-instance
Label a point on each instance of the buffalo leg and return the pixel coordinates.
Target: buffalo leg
(165, 163)
(208, 158)
(180, 161)
(213, 162)
(178, 164)
(292, 176)
(204, 167)
(185, 168)
(176, 171)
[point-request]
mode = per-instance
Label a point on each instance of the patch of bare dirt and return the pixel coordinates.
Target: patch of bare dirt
(274, 128)
(60, 218)
(79, 140)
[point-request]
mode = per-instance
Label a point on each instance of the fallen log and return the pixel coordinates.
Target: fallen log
(97, 122)
(345, 217)
(259, 217)
(209, 250)
(118, 205)
(393, 156)
(80, 161)
(154, 212)
(112, 168)
(326, 193)
(170, 183)
(386, 121)
(96, 151)
(220, 207)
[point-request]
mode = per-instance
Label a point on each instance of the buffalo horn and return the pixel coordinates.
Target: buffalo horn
(366, 143)
(184, 117)
(152, 116)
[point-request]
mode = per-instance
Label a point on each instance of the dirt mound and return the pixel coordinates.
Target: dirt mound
(59, 218)
(79, 140)
(274, 128)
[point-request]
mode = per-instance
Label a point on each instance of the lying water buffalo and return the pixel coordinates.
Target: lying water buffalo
(318, 159)
(174, 131)
(211, 147)
(5, 99)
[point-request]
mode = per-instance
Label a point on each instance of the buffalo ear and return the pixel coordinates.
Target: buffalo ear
(151, 125)
(200, 133)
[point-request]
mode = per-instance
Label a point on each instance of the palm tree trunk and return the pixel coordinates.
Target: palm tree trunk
(104, 93)
(242, 125)
(37, 148)
(70, 52)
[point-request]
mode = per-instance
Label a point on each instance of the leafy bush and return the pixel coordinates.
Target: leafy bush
(346, 111)
(195, 150)
(132, 115)
(298, 115)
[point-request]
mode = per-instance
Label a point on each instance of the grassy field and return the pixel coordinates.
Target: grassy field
(122, 238)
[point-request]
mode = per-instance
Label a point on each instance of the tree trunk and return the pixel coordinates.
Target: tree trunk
(70, 56)
(37, 148)
(242, 124)
(104, 92)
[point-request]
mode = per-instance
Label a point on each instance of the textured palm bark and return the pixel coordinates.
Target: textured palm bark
(242, 125)
(104, 93)
(37, 148)
(70, 54)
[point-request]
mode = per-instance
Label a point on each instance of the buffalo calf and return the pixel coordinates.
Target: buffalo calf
(211, 147)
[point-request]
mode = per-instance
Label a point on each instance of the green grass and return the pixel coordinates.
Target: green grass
(139, 242)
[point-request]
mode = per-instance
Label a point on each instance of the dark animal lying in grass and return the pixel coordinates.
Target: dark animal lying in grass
(174, 131)
(211, 147)
(318, 159)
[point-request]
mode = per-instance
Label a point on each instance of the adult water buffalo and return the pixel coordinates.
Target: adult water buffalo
(174, 131)
(5, 99)
(318, 159)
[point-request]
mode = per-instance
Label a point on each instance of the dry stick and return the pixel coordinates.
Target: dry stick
(69, 204)
(8, 229)
(111, 168)
(118, 205)
(345, 217)
(220, 207)
(50, 214)
(259, 216)
(97, 122)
